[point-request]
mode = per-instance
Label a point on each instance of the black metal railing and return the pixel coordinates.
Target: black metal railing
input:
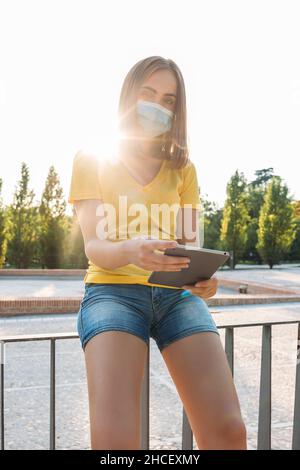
(265, 392)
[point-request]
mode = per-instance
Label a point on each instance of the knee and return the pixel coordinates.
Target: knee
(233, 430)
(115, 437)
(226, 433)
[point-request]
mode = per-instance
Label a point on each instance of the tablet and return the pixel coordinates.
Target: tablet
(204, 263)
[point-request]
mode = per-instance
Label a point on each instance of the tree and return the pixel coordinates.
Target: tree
(235, 218)
(3, 230)
(262, 177)
(74, 249)
(294, 253)
(52, 222)
(255, 195)
(212, 224)
(276, 226)
(22, 225)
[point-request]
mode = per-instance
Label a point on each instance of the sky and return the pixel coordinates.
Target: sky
(62, 65)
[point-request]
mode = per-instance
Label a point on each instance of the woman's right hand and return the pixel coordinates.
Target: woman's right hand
(141, 252)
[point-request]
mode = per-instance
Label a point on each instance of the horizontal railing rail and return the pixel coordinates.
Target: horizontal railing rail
(265, 391)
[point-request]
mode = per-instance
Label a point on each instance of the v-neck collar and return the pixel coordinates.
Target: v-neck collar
(151, 183)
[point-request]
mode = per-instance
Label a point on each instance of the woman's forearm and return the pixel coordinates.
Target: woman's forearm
(107, 254)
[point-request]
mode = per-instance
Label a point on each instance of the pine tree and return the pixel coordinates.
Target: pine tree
(52, 222)
(23, 224)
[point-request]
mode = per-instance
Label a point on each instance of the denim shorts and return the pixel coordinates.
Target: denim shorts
(162, 313)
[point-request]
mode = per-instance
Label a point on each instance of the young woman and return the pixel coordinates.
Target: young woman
(120, 310)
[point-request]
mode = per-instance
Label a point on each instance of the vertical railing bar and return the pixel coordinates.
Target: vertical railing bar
(187, 433)
(264, 418)
(229, 347)
(264, 422)
(52, 394)
(145, 434)
(2, 357)
(296, 423)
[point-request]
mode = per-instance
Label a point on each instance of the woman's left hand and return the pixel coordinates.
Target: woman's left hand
(205, 289)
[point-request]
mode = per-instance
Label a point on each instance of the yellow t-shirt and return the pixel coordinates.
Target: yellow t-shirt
(134, 210)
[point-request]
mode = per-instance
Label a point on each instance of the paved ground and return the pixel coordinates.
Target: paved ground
(287, 277)
(35, 286)
(27, 381)
(41, 286)
(282, 277)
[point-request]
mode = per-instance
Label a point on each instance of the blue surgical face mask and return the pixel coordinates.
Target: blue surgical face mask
(153, 118)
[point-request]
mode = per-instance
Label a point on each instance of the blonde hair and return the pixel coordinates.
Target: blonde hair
(174, 146)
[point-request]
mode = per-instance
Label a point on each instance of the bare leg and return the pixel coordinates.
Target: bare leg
(115, 364)
(199, 368)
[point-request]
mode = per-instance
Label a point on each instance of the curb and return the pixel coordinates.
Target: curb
(46, 305)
